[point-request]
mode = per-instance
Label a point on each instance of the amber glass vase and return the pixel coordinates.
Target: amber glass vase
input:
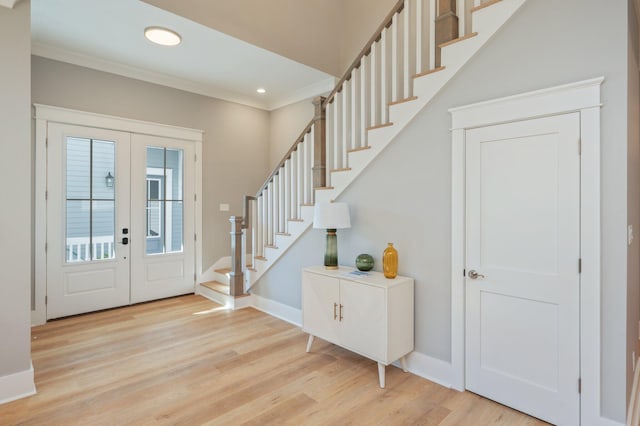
(390, 261)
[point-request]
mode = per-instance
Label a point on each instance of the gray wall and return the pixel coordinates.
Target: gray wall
(236, 139)
(15, 192)
(404, 196)
(286, 125)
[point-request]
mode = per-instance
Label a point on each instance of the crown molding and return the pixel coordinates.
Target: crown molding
(8, 3)
(92, 62)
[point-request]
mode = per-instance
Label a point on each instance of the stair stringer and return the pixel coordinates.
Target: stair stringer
(486, 22)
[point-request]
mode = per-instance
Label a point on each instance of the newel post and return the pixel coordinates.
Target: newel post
(446, 24)
(236, 276)
(319, 144)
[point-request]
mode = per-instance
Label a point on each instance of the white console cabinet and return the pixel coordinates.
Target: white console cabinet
(369, 314)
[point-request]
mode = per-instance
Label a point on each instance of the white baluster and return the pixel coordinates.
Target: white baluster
(329, 142)
(384, 77)
(293, 210)
(286, 197)
(364, 99)
(419, 25)
(346, 125)
(269, 209)
(257, 248)
(374, 78)
(355, 111)
(301, 180)
(396, 58)
(407, 49)
(461, 11)
(432, 34)
(337, 131)
(310, 149)
(305, 171)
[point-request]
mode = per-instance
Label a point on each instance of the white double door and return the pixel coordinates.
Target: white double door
(522, 266)
(120, 219)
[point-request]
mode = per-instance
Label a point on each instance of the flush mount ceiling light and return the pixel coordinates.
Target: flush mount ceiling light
(162, 36)
(261, 90)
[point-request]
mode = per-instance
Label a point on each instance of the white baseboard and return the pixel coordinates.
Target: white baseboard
(429, 368)
(17, 385)
(277, 309)
(633, 416)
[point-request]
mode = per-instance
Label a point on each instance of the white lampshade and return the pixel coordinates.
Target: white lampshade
(331, 216)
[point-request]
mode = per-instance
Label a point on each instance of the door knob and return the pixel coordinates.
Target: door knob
(474, 275)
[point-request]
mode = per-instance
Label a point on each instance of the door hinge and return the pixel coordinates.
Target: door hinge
(580, 385)
(46, 246)
(46, 142)
(195, 197)
(46, 300)
(46, 195)
(195, 158)
(579, 146)
(464, 272)
(580, 265)
(195, 237)
(194, 277)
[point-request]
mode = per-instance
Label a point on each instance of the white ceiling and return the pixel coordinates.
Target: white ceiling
(108, 36)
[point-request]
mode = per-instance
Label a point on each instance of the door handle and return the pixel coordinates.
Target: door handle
(474, 275)
(341, 312)
(335, 314)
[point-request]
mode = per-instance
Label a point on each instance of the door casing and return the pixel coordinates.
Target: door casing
(45, 114)
(583, 97)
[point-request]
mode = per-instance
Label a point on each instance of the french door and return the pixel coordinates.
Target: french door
(119, 209)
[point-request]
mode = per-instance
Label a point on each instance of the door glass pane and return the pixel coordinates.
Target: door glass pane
(174, 226)
(174, 174)
(78, 231)
(78, 168)
(90, 224)
(103, 230)
(164, 206)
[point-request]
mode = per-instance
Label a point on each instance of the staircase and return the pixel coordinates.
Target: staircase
(417, 49)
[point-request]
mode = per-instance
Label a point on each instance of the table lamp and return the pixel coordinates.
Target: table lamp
(331, 216)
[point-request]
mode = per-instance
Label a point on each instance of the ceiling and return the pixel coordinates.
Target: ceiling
(108, 36)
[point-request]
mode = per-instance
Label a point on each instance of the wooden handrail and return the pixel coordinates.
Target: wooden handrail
(367, 48)
(276, 169)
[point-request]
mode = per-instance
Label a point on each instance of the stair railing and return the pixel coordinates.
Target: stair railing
(405, 46)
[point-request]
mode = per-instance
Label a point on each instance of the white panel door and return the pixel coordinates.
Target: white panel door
(163, 216)
(87, 210)
(522, 239)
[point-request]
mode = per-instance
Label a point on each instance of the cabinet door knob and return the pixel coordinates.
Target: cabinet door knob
(341, 312)
(335, 314)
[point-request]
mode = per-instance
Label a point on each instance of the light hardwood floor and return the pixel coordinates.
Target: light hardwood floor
(187, 361)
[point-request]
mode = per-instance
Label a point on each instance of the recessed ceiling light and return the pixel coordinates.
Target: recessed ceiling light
(261, 90)
(162, 36)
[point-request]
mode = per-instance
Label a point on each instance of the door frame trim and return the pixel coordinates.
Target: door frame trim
(44, 114)
(582, 97)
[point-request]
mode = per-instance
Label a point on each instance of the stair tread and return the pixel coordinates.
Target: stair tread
(217, 286)
(379, 126)
(283, 234)
(401, 101)
(483, 5)
(344, 169)
(271, 246)
(223, 271)
(293, 219)
(362, 148)
(422, 74)
(322, 188)
(456, 40)
(264, 259)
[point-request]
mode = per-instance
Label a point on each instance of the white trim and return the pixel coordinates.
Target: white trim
(104, 65)
(110, 122)
(429, 368)
(583, 97)
(44, 114)
(633, 413)
(277, 309)
(17, 385)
